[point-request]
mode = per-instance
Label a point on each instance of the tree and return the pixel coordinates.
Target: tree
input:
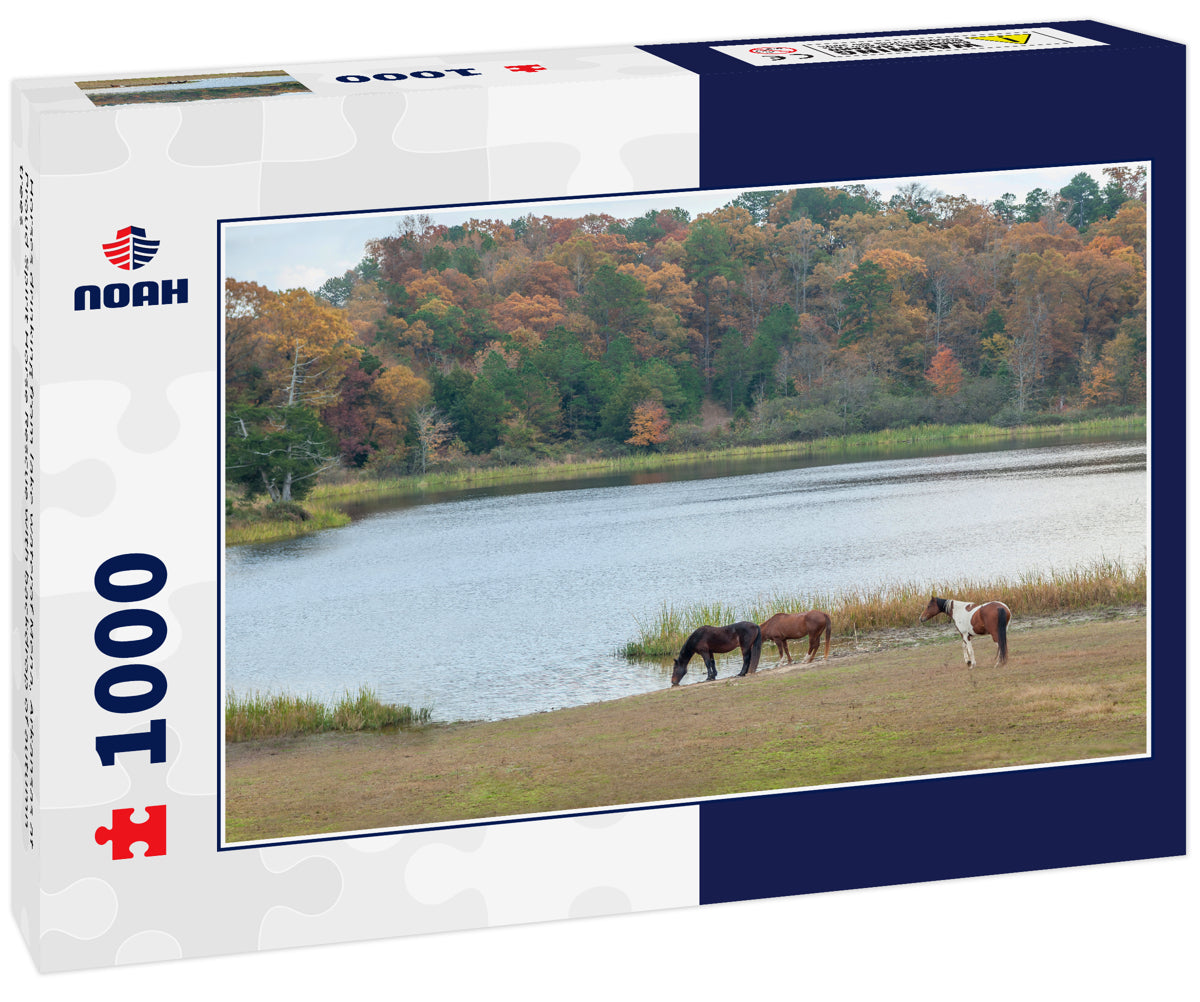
(757, 203)
(711, 263)
(308, 341)
(336, 291)
(649, 425)
(432, 430)
(616, 303)
(800, 241)
(945, 373)
(866, 289)
(1115, 377)
(1035, 206)
(1131, 181)
(1005, 207)
(245, 355)
(277, 451)
(1085, 202)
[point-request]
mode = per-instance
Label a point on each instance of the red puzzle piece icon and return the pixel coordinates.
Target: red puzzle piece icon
(124, 832)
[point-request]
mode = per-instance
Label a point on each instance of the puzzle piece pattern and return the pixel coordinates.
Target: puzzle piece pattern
(497, 875)
(129, 430)
(564, 867)
(125, 832)
(376, 172)
(176, 904)
(84, 910)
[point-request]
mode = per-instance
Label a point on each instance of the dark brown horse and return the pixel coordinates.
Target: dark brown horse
(785, 626)
(971, 619)
(710, 640)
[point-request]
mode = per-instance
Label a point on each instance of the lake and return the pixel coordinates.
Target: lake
(204, 84)
(491, 603)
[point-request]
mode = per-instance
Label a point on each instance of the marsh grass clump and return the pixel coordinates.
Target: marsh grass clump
(272, 715)
(269, 523)
(1100, 584)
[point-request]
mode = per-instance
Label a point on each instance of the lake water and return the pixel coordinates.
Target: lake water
(204, 84)
(494, 603)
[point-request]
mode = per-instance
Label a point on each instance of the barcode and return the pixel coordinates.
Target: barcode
(890, 48)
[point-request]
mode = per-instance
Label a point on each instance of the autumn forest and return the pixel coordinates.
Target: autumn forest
(784, 315)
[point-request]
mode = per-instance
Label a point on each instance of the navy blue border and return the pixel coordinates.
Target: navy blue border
(958, 115)
(760, 127)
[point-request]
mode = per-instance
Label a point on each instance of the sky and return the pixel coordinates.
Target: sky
(303, 253)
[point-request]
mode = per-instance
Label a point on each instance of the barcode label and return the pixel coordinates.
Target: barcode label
(794, 53)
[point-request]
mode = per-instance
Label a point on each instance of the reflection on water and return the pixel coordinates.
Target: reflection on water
(507, 600)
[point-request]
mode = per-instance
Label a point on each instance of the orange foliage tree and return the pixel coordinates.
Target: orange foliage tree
(945, 373)
(650, 424)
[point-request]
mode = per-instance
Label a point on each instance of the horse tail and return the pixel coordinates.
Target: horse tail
(1002, 617)
(828, 633)
(756, 648)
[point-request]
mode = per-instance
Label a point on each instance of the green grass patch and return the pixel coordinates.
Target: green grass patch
(273, 715)
(1096, 585)
(270, 523)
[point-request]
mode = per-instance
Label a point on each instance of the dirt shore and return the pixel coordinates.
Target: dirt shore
(901, 704)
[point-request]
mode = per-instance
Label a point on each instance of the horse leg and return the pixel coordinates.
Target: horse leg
(711, 665)
(786, 653)
(970, 652)
(814, 644)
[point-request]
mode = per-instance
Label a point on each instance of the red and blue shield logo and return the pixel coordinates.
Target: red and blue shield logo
(131, 250)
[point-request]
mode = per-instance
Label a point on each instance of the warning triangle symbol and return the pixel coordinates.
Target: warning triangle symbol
(1014, 39)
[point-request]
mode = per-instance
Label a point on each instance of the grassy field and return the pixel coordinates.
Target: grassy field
(899, 704)
(1097, 585)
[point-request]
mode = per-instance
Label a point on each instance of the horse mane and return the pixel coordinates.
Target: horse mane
(689, 647)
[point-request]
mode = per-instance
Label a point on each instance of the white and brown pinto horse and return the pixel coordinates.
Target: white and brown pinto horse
(989, 619)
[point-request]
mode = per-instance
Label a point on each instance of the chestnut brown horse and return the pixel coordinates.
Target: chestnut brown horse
(971, 619)
(785, 626)
(710, 640)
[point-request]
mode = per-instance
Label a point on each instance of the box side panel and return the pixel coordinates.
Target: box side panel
(130, 386)
(26, 843)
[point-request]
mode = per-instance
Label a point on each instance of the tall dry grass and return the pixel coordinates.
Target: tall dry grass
(1099, 584)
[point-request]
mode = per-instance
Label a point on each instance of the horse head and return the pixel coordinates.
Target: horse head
(678, 670)
(936, 605)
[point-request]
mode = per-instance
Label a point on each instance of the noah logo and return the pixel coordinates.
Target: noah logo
(131, 250)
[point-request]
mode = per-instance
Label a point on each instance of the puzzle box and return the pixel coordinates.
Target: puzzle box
(620, 211)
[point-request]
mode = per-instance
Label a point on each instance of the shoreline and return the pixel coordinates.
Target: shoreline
(1073, 689)
(326, 500)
